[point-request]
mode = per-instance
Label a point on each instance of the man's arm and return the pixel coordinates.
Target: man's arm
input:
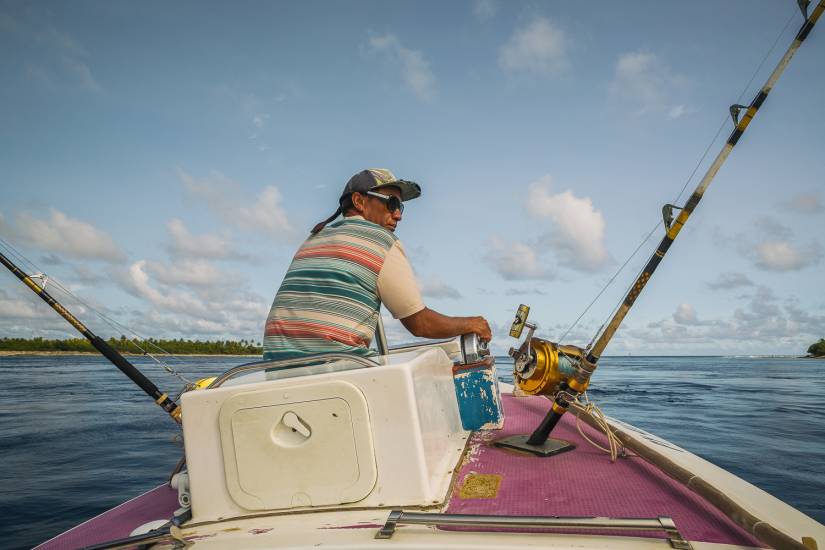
(431, 324)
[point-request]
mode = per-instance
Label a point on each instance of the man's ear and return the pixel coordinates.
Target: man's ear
(358, 201)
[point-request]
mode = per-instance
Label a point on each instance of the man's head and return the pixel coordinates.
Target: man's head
(381, 206)
(377, 195)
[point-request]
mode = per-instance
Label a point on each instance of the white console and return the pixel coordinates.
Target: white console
(381, 436)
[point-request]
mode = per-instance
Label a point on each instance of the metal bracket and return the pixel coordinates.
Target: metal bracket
(734, 112)
(667, 215)
(523, 356)
(675, 538)
(381, 336)
(550, 447)
(44, 279)
(388, 530)
(803, 7)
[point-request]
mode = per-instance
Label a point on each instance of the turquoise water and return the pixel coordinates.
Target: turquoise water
(78, 438)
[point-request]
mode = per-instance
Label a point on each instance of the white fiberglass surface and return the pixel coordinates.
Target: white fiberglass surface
(265, 373)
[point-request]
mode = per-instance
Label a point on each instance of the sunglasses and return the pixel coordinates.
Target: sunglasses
(392, 202)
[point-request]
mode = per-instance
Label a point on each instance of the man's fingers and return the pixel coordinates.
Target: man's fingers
(485, 333)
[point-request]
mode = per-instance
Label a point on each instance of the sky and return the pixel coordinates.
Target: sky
(163, 161)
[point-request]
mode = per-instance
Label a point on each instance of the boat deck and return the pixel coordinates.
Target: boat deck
(582, 482)
(578, 483)
(161, 502)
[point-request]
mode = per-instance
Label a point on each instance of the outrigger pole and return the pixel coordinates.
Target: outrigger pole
(578, 383)
(162, 399)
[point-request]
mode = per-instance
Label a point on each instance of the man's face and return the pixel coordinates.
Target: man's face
(376, 211)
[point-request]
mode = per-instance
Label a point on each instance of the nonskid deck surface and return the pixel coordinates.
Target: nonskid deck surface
(159, 503)
(582, 482)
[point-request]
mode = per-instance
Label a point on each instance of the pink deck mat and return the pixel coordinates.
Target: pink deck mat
(117, 523)
(584, 482)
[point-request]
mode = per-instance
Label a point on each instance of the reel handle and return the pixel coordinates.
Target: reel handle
(473, 349)
(520, 320)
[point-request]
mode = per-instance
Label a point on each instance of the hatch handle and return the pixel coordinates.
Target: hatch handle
(666, 524)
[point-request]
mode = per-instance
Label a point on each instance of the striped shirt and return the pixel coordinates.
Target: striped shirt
(329, 300)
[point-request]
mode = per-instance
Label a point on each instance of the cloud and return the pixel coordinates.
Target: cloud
(761, 325)
(156, 322)
(80, 73)
(259, 120)
(18, 309)
(414, 67)
(62, 59)
(524, 291)
(515, 261)
(780, 255)
(643, 81)
(184, 244)
(578, 228)
(225, 198)
(677, 111)
(192, 273)
(538, 47)
(485, 9)
(24, 315)
(395, 331)
(730, 280)
(136, 280)
(51, 259)
(806, 203)
(38, 74)
(685, 315)
(86, 276)
(63, 235)
(772, 246)
(434, 287)
(192, 298)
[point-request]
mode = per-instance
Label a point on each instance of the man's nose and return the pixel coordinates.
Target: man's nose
(396, 214)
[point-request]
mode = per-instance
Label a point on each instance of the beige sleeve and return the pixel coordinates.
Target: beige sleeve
(397, 286)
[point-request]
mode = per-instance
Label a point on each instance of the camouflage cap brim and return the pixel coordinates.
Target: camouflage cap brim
(383, 177)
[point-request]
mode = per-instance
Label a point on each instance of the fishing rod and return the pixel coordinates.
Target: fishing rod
(546, 368)
(162, 399)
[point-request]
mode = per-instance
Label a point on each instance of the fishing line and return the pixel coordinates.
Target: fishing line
(119, 327)
(687, 182)
(609, 282)
(738, 100)
(18, 255)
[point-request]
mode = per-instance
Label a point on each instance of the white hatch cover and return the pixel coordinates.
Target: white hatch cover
(308, 445)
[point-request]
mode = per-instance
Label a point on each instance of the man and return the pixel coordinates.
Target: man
(331, 294)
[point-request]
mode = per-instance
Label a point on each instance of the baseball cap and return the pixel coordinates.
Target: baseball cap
(374, 178)
(369, 180)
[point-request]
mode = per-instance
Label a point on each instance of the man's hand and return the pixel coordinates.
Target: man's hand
(481, 327)
(431, 324)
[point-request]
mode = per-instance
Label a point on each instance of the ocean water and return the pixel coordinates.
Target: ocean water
(77, 437)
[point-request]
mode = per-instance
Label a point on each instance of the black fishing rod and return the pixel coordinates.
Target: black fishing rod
(543, 367)
(162, 399)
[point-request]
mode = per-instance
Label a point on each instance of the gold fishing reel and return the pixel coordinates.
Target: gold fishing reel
(539, 366)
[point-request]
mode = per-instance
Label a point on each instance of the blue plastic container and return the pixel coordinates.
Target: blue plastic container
(479, 399)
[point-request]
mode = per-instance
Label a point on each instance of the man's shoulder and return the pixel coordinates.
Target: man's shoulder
(366, 227)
